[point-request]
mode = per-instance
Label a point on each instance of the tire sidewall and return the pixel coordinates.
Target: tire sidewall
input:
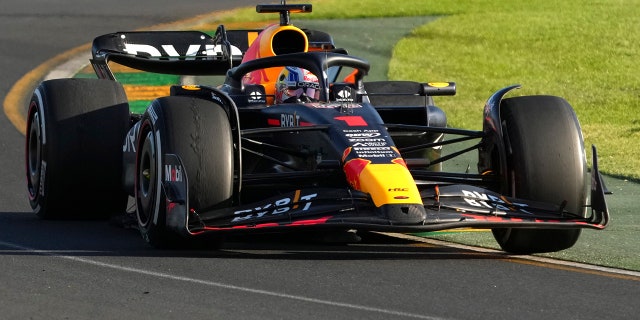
(36, 177)
(149, 195)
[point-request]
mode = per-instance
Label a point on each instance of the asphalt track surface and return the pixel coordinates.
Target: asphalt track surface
(82, 270)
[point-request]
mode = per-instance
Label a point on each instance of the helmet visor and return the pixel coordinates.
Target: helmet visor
(312, 93)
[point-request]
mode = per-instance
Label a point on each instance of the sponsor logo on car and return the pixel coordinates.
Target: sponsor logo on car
(256, 97)
(344, 95)
(500, 205)
(152, 113)
(168, 50)
(130, 140)
(280, 206)
(289, 120)
(361, 134)
(173, 173)
(336, 105)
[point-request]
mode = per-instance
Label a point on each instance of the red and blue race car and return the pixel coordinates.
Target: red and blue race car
(235, 158)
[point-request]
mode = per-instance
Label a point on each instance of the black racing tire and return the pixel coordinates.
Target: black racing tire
(75, 131)
(545, 162)
(199, 133)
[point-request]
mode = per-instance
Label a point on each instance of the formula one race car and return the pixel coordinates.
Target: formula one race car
(209, 161)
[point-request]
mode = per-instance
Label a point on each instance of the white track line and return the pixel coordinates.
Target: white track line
(218, 284)
(542, 260)
(70, 67)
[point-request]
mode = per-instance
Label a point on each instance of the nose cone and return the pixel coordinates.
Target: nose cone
(388, 183)
(403, 214)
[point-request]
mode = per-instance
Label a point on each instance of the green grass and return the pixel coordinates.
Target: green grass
(584, 51)
(146, 78)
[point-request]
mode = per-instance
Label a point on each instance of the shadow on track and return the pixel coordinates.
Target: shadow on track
(22, 233)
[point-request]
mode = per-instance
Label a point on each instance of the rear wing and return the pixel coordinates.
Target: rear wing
(181, 52)
(171, 52)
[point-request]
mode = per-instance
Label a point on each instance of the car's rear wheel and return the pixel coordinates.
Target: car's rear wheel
(545, 162)
(75, 131)
(199, 134)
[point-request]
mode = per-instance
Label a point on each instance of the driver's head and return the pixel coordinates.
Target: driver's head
(297, 85)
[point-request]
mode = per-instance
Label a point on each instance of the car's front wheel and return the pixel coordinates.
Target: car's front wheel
(545, 162)
(198, 132)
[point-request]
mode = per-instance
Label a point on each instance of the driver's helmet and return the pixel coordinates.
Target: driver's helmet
(297, 85)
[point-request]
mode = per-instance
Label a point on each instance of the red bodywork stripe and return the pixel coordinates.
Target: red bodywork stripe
(353, 121)
(310, 222)
(272, 224)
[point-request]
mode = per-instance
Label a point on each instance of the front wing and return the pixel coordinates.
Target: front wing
(446, 207)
